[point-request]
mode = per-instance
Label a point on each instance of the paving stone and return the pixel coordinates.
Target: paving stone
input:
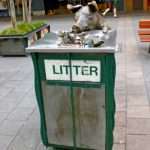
(15, 95)
(136, 82)
(138, 126)
(20, 114)
(119, 147)
(120, 118)
(2, 80)
(120, 91)
(28, 102)
(137, 100)
(138, 142)
(135, 85)
(28, 139)
(121, 65)
(131, 57)
(148, 86)
(120, 135)
(42, 147)
(120, 85)
(9, 66)
(5, 141)
(12, 84)
(135, 74)
(6, 107)
(10, 128)
(20, 76)
(133, 69)
(120, 101)
(138, 112)
(147, 77)
(23, 88)
(136, 90)
(3, 116)
(120, 76)
(4, 91)
(34, 121)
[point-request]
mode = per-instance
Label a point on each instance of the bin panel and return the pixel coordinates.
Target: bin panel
(55, 97)
(57, 114)
(90, 117)
(47, 61)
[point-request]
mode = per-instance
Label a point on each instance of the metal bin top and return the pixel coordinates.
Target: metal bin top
(49, 44)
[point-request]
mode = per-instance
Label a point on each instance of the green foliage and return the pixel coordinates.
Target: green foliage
(22, 28)
(38, 23)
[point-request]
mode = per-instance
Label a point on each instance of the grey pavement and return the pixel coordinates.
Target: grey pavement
(19, 116)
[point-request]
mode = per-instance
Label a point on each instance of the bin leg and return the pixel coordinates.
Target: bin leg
(50, 148)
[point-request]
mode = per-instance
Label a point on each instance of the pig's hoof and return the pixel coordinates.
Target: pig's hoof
(115, 16)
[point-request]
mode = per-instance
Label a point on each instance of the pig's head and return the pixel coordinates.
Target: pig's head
(86, 17)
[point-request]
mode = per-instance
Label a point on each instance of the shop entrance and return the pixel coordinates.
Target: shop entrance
(137, 4)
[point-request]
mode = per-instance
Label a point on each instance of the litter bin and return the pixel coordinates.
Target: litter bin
(75, 94)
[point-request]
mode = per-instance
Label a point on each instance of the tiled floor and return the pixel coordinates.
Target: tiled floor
(19, 117)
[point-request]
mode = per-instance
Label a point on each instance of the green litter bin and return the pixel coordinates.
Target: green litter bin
(75, 94)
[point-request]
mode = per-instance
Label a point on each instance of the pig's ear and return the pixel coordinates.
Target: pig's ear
(74, 9)
(93, 6)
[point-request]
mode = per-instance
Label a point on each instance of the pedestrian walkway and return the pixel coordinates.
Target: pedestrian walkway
(132, 88)
(19, 116)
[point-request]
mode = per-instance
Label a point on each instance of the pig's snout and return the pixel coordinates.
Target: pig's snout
(76, 29)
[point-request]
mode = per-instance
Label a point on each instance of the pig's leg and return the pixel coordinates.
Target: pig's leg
(115, 12)
(109, 6)
(106, 11)
(115, 3)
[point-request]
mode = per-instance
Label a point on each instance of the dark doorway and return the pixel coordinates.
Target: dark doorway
(137, 4)
(50, 5)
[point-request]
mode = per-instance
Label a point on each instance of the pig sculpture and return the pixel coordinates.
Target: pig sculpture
(87, 17)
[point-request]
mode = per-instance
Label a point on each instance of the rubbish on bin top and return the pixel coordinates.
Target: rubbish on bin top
(85, 39)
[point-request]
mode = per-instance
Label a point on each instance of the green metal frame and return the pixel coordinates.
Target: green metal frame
(108, 70)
